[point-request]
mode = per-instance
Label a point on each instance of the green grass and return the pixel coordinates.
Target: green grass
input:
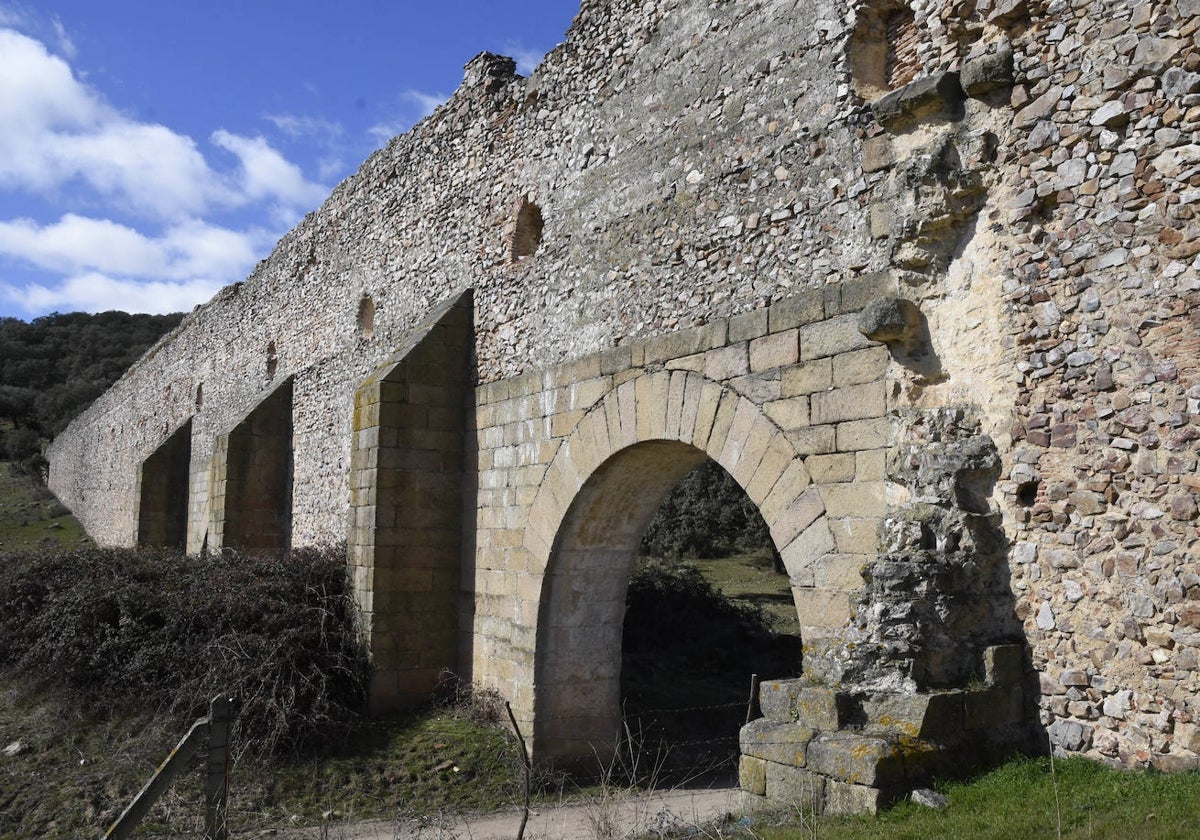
(751, 579)
(30, 516)
(74, 775)
(432, 762)
(1027, 799)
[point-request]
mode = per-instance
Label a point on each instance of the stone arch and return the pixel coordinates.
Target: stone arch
(603, 485)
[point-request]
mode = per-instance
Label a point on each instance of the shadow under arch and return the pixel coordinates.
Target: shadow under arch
(599, 493)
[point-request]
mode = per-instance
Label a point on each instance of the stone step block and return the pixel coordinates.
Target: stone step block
(797, 701)
(783, 743)
(931, 715)
(857, 759)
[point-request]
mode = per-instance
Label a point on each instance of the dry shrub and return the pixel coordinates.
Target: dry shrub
(119, 630)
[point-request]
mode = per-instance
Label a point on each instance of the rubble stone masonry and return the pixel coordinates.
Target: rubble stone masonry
(932, 300)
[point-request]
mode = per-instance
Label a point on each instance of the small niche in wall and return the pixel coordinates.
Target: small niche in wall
(527, 230)
(272, 360)
(902, 63)
(366, 316)
(884, 49)
(200, 395)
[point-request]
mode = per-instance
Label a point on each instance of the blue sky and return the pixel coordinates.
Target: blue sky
(152, 152)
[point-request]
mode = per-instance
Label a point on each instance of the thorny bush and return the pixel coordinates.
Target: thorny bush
(115, 630)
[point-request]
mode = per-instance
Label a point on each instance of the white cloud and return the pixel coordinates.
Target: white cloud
(10, 16)
(61, 138)
(76, 243)
(65, 44)
(189, 251)
(527, 59)
(427, 103)
(56, 131)
(299, 125)
(266, 175)
(109, 266)
(40, 91)
(95, 292)
(326, 134)
(148, 169)
(418, 105)
(385, 131)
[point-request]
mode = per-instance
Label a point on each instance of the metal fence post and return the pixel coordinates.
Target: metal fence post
(216, 784)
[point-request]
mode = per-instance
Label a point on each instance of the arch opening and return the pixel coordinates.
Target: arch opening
(709, 605)
(526, 231)
(601, 639)
(163, 485)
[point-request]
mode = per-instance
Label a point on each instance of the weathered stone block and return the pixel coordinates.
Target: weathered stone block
(860, 498)
(774, 350)
(1004, 665)
(752, 775)
(744, 464)
(797, 310)
(790, 413)
(681, 343)
(748, 325)
(813, 440)
(941, 95)
(864, 434)
(831, 469)
(855, 402)
(926, 715)
(771, 740)
(890, 320)
(855, 535)
(858, 292)
(774, 463)
(790, 512)
(857, 759)
(993, 707)
(797, 702)
(831, 337)
(870, 465)
(801, 555)
(722, 423)
(842, 799)
(988, 72)
(806, 378)
(881, 221)
(795, 787)
(877, 153)
(861, 366)
(727, 362)
(840, 571)
(759, 387)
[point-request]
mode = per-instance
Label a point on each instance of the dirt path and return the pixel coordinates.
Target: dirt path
(624, 815)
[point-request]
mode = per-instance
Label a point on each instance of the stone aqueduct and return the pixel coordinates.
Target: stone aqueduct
(921, 279)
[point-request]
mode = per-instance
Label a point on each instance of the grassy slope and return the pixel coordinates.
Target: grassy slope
(1030, 799)
(30, 516)
(751, 579)
(72, 776)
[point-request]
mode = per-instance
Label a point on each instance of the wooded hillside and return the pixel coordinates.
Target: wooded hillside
(53, 367)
